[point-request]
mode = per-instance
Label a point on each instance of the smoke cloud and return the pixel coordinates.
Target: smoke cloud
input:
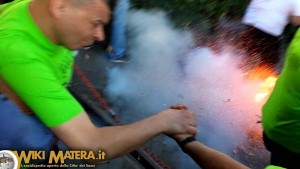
(165, 69)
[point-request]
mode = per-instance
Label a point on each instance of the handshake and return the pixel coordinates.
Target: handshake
(180, 123)
(184, 132)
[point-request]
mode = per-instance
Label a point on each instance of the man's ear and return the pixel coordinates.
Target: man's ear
(57, 7)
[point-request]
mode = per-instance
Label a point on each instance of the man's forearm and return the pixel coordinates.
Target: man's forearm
(115, 140)
(81, 134)
(209, 158)
(124, 139)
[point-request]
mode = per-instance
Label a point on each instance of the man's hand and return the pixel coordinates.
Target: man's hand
(178, 120)
(180, 137)
(179, 107)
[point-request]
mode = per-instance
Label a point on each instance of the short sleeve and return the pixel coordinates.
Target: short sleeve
(37, 86)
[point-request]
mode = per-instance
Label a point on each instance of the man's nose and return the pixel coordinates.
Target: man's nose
(99, 34)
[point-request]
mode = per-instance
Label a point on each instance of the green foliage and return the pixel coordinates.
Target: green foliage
(189, 12)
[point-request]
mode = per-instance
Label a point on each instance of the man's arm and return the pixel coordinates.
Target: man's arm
(39, 88)
(208, 158)
(204, 156)
(80, 134)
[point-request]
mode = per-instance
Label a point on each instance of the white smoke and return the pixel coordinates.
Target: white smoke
(164, 69)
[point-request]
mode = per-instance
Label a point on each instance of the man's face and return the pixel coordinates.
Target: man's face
(80, 26)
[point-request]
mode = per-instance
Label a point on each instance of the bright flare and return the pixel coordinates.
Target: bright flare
(266, 88)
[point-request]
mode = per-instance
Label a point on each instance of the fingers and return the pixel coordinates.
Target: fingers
(192, 130)
(179, 107)
(188, 121)
(180, 121)
(186, 132)
(190, 118)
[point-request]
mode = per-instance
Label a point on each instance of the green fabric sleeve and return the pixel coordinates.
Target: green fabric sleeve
(38, 88)
(274, 167)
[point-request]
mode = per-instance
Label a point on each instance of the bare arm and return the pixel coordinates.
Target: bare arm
(208, 158)
(80, 134)
(204, 156)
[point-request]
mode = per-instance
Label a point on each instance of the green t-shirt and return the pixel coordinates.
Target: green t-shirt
(281, 113)
(36, 69)
(274, 167)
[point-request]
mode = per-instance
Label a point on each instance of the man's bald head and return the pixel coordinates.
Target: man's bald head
(71, 23)
(85, 2)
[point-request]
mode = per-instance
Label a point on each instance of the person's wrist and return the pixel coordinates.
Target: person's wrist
(164, 119)
(158, 122)
(180, 137)
(186, 141)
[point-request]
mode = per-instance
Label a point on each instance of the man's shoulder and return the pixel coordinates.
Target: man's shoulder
(13, 9)
(274, 167)
(14, 43)
(7, 5)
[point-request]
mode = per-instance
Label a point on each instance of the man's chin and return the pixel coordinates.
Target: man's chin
(90, 45)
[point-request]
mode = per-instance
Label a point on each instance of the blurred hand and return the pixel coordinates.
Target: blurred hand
(178, 120)
(180, 137)
(179, 107)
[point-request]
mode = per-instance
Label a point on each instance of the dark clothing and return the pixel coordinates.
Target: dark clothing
(22, 132)
(280, 156)
(5, 1)
(261, 46)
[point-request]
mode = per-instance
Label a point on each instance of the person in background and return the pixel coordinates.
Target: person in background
(116, 50)
(264, 22)
(281, 115)
(37, 38)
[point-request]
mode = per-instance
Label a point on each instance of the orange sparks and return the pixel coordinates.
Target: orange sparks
(268, 78)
